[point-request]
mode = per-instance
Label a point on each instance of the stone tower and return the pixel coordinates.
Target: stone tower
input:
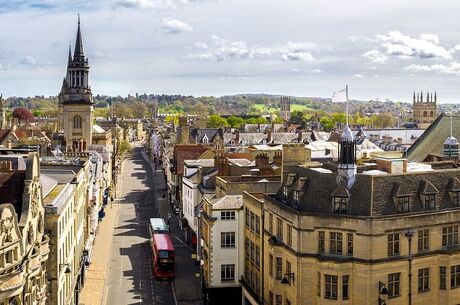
(2, 113)
(346, 172)
(285, 108)
(424, 112)
(76, 100)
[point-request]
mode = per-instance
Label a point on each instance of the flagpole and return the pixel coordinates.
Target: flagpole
(346, 106)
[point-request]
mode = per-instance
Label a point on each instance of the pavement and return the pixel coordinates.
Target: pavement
(120, 272)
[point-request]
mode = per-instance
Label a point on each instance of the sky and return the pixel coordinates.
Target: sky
(380, 49)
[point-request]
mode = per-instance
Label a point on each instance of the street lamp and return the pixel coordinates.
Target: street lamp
(67, 269)
(383, 292)
(287, 278)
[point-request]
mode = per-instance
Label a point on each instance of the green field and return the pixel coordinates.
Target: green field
(294, 107)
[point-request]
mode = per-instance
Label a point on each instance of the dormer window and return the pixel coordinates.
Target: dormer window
(285, 192)
(403, 204)
(205, 139)
(455, 198)
(340, 205)
(429, 201)
(296, 198)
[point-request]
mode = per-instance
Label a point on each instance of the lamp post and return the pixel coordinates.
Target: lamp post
(409, 234)
(383, 292)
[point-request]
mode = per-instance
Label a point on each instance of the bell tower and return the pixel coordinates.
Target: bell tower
(76, 111)
(346, 171)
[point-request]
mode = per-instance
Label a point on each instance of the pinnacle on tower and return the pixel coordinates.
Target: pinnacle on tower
(69, 60)
(427, 96)
(421, 96)
(435, 96)
(414, 97)
(78, 53)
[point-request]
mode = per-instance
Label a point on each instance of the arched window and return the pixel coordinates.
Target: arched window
(431, 114)
(77, 122)
(424, 114)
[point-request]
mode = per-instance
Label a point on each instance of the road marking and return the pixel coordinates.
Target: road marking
(174, 293)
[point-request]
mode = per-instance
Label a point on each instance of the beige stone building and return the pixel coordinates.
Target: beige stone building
(425, 112)
(67, 192)
(24, 246)
(381, 233)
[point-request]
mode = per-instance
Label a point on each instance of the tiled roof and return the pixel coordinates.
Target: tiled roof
(186, 152)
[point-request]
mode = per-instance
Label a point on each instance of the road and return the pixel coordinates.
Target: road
(130, 279)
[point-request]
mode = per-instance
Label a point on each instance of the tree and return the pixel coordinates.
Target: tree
(278, 120)
(235, 121)
(216, 121)
(122, 110)
(383, 120)
(139, 110)
(297, 117)
(22, 114)
(326, 123)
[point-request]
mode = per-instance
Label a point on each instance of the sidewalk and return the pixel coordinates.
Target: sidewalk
(93, 293)
(95, 288)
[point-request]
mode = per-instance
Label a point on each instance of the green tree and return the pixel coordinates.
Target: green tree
(297, 117)
(216, 121)
(326, 123)
(235, 121)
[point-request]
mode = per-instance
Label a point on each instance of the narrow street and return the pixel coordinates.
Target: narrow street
(129, 279)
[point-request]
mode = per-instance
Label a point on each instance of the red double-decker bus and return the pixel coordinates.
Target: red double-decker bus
(163, 260)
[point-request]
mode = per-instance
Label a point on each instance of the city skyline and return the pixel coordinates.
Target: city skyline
(230, 47)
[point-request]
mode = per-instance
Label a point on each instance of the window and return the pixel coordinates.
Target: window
(288, 267)
(423, 240)
(270, 298)
(455, 197)
(247, 218)
(253, 221)
(321, 241)
(279, 268)
(296, 197)
(340, 205)
(285, 192)
(270, 265)
(279, 299)
(257, 225)
(252, 251)
(331, 286)
(430, 201)
(393, 285)
(257, 256)
(442, 278)
(270, 223)
(335, 243)
(402, 204)
(227, 272)
(77, 122)
(227, 239)
(449, 236)
(345, 287)
(455, 276)
(289, 235)
(227, 215)
(318, 284)
(423, 279)
(279, 228)
(287, 302)
(349, 244)
(247, 247)
(393, 244)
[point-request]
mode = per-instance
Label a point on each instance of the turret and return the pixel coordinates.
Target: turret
(346, 172)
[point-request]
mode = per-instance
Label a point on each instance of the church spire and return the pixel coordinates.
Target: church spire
(78, 53)
(69, 60)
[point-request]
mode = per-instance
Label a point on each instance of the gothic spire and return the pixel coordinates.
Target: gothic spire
(69, 60)
(435, 97)
(421, 96)
(78, 53)
(414, 96)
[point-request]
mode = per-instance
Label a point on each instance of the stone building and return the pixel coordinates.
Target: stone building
(285, 108)
(425, 112)
(377, 233)
(24, 246)
(3, 122)
(76, 100)
(67, 191)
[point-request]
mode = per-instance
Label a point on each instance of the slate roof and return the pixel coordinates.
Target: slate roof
(371, 195)
(197, 134)
(12, 189)
(431, 142)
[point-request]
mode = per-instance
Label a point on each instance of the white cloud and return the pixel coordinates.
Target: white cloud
(302, 56)
(450, 68)
(220, 49)
(175, 26)
(100, 54)
(150, 4)
(395, 43)
(376, 56)
(358, 76)
(28, 60)
(315, 71)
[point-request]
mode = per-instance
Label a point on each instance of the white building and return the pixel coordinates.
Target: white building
(223, 242)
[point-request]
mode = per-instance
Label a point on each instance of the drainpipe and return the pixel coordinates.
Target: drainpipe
(409, 235)
(262, 263)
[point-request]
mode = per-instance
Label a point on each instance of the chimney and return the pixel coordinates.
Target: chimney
(14, 124)
(299, 136)
(278, 158)
(269, 136)
(237, 136)
(6, 166)
(223, 167)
